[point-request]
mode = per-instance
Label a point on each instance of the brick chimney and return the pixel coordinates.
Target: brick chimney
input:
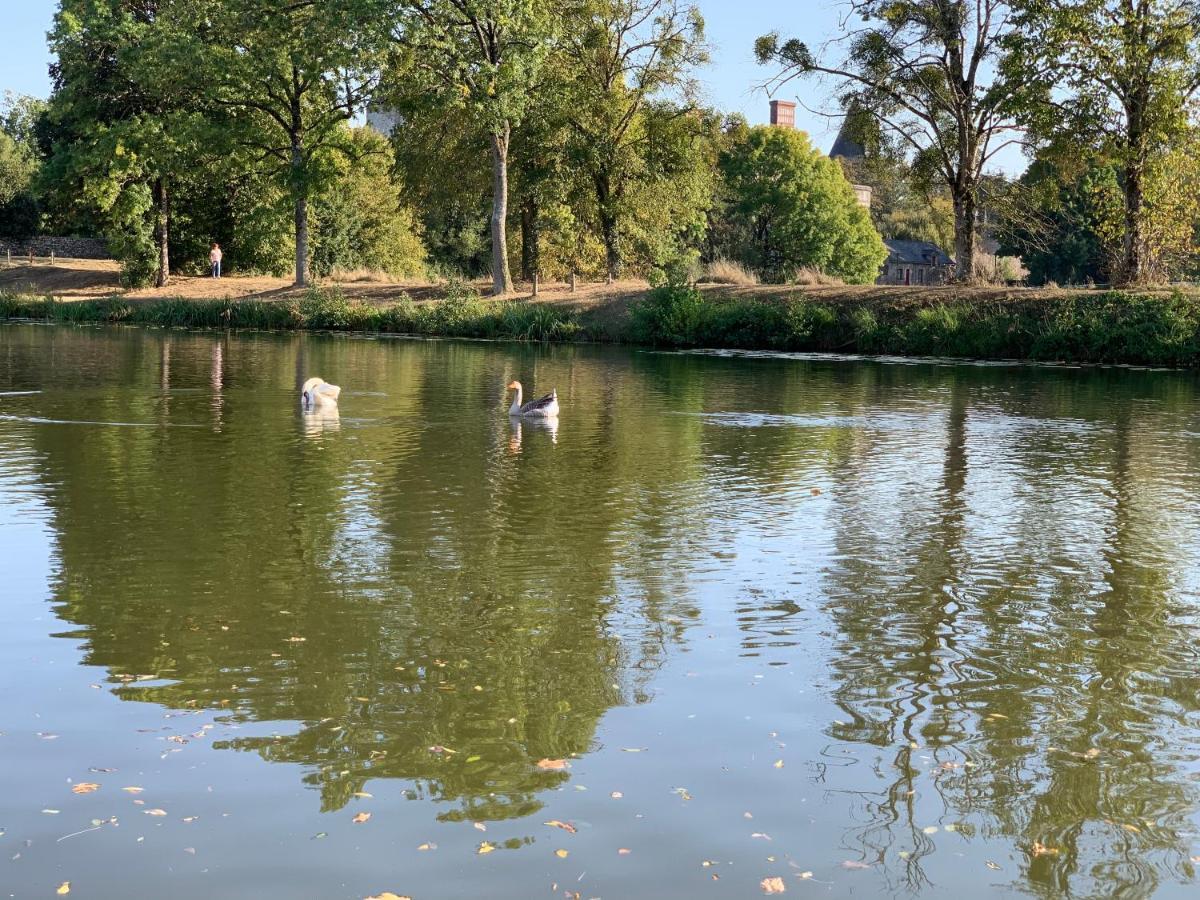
(783, 113)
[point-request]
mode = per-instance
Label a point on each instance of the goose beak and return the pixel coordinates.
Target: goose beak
(513, 385)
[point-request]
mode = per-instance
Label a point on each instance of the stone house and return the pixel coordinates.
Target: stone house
(915, 263)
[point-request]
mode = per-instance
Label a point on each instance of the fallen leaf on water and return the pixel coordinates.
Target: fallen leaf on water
(485, 847)
(616, 795)
(387, 895)
(806, 875)
(64, 888)
(85, 787)
(479, 826)
(682, 792)
(99, 770)
(565, 826)
(930, 829)
(296, 639)
(361, 817)
(363, 794)
(561, 854)
(438, 748)
(623, 851)
(1195, 859)
(779, 763)
(319, 835)
(50, 812)
(773, 885)
(1040, 849)
(759, 834)
(155, 812)
(709, 863)
(633, 749)
(188, 819)
(428, 846)
(854, 864)
(951, 827)
(132, 790)
(551, 763)
(1132, 828)
(191, 850)
(992, 865)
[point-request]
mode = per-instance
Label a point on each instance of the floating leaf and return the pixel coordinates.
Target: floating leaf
(633, 749)
(759, 834)
(486, 847)
(155, 812)
(565, 826)
(85, 787)
(1040, 849)
(992, 865)
(779, 763)
(362, 794)
(361, 817)
(387, 895)
(561, 854)
(296, 639)
(319, 835)
(64, 888)
(428, 846)
(50, 812)
(616, 795)
(623, 851)
(479, 826)
(930, 829)
(773, 885)
(806, 875)
(854, 864)
(132, 789)
(551, 763)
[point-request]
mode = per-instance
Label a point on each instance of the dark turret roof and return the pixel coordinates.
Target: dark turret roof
(846, 146)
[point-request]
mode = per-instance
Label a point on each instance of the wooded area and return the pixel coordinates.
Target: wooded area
(581, 127)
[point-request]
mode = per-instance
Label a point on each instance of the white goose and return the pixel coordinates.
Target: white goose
(542, 408)
(316, 392)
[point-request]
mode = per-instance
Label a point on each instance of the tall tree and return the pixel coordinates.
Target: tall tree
(484, 55)
(932, 72)
(1119, 74)
(115, 121)
(622, 56)
(288, 74)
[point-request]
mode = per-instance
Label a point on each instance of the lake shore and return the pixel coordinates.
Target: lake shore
(1144, 327)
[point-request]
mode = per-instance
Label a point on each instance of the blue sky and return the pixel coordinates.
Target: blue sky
(730, 80)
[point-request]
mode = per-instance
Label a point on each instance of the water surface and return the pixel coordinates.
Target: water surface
(872, 629)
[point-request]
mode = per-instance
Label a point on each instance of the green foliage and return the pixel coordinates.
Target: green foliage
(792, 207)
(360, 220)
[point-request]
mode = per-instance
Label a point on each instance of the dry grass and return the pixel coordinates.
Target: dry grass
(807, 276)
(728, 271)
(361, 276)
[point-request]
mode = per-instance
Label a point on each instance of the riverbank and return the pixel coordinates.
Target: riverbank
(1141, 328)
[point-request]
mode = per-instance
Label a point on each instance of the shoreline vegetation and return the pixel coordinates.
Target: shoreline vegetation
(1158, 328)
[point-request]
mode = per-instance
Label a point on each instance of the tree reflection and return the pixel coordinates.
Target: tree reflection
(423, 603)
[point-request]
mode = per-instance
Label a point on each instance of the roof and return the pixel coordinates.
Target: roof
(917, 253)
(845, 146)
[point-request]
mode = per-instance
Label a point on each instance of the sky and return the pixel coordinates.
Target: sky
(731, 79)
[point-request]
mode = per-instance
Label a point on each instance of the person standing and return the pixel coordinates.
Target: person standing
(214, 257)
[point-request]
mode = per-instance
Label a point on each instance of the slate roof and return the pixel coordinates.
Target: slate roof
(845, 146)
(920, 253)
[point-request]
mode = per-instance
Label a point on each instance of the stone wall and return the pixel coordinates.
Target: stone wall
(65, 247)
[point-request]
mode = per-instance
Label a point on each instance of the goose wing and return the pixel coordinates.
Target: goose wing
(540, 402)
(327, 391)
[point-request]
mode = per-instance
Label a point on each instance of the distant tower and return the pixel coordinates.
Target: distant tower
(851, 150)
(847, 146)
(783, 113)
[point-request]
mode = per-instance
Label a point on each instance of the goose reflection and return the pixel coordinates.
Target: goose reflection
(321, 419)
(549, 425)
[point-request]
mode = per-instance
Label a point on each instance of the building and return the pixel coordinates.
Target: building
(783, 115)
(915, 263)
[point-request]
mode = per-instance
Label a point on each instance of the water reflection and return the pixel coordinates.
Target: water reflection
(981, 584)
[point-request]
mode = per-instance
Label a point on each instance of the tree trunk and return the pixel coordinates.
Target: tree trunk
(162, 206)
(610, 230)
(1134, 264)
(501, 277)
(964, 234)
(302, 241)
(530, 251)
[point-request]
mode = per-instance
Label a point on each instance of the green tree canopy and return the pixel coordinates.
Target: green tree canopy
(792, 207)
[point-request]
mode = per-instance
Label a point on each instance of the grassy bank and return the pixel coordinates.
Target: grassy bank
(1099, 327)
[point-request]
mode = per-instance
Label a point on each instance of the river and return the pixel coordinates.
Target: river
(739, 622)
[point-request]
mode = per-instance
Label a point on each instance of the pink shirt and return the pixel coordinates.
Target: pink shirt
(215, 255)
